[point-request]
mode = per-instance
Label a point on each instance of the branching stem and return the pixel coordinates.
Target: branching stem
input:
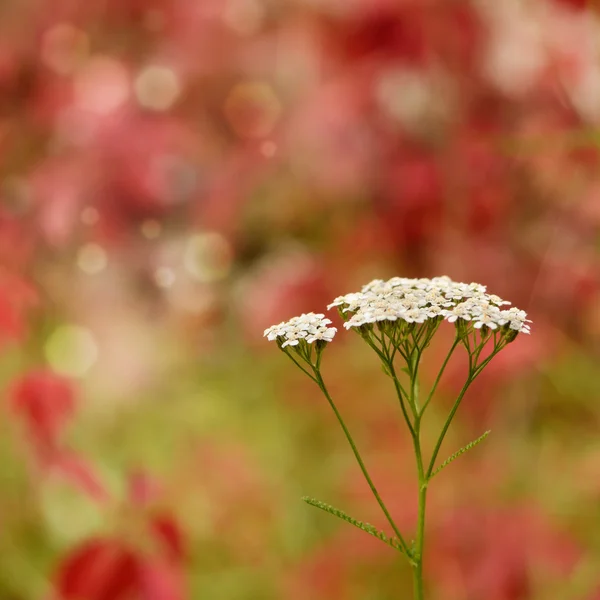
(361, 464)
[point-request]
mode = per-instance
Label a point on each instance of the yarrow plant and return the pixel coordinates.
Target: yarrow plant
(398, 319)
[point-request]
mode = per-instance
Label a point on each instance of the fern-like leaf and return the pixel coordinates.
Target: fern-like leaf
(460, 452)
(393, 542)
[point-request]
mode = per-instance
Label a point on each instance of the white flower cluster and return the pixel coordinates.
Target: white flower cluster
(309, 327)
(417, 300)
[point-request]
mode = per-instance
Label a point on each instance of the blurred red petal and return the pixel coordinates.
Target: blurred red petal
(12, 325)
(169, 534)
(16, 297)
(44, 401)
(99, 570)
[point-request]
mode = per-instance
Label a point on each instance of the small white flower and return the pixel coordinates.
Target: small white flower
(341, 300)
(517, 320)
(414, 315)
(377, 286)
(497, 300)
(355, 321)
(433, 311)
(485, 320)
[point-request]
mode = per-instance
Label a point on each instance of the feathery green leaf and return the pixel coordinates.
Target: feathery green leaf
(393, 541)
(464, 449)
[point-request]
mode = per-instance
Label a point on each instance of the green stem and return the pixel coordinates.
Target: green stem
(473, 374)
(288, 354)
(425, 476)
(399, 392)
(419, 587)
(420, 535)
(447, 425)
(441, 372)
(361, 464)
(415, 359)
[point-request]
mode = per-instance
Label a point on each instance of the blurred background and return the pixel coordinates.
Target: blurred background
(177, 175)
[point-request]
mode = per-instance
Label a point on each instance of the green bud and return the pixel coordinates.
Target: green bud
(320, 346)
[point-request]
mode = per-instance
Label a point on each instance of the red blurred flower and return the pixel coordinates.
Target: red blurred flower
(413, 202)
(147, 166)
(495, 554)
(98, 570)
(17, 296)
(390, 32)
(12, 325)
(576, 4)
(148, 567)
(44, 401)
(412, 32)
(108, 569)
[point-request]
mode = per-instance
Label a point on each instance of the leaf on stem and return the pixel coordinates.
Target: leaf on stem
(464, 449)
(393, 542)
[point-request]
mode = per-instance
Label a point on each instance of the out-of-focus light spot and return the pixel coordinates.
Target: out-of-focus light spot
(102, 85)
(69, 515)
(164, 277)
(585, 94)
(208, 257)
(157, 87)
(92, 259)
(71, 350)
(151, 229)
(421, 102)
(244, 16)
(252, 109)
(404, 95)
(89, 215)
(268, 149)
(64, 47)
(517, 51)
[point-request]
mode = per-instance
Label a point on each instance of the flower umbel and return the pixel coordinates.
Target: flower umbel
(308, 327)
(300, 336)
(398, 318)
(419, 300)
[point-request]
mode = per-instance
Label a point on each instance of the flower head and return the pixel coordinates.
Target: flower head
(420, 300)
(308, 327)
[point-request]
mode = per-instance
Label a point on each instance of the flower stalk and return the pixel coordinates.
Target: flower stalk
(398, 319)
